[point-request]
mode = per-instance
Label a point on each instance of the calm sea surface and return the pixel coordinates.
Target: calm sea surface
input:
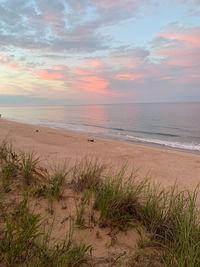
(173, 125)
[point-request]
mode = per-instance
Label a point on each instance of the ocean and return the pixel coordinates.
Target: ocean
(175, 125)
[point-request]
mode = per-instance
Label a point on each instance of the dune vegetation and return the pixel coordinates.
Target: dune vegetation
(90, 215)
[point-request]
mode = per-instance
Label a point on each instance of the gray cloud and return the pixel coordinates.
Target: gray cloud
(61, 25)
(127, 52)
(194, 4)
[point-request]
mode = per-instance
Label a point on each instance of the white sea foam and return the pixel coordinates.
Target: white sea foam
(188, 146)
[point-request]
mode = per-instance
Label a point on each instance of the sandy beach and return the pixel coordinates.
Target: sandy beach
(108, 241)
(162, 165)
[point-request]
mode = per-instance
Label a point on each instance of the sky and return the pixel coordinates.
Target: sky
(64, 52)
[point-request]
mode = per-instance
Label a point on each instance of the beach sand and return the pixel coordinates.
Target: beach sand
(164, 166)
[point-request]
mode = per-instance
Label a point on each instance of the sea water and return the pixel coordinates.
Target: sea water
(175, 125)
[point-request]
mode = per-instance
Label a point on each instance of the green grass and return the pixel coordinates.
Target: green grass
(53, 187)
(28, 165)
(7, 173)
(8, 165)
(21, 243)
(170, 215)
(22, 229)
(153, 209)
(173, 219)
(66, 253)
(87, 175)
(80, 210)
(118, 199)
(182, 220)
(56, 182)
(7, 154)
(5, 149)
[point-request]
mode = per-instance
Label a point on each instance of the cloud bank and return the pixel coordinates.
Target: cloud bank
(71, 50)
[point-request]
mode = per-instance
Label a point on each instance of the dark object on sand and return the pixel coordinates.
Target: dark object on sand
(90, 140)
(36, 131)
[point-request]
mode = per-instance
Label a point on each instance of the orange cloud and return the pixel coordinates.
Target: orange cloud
(49, 75)
(129, 76)
(95, 84)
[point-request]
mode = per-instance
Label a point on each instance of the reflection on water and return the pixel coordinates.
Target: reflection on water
(175, 125)
(95, 115)
(53, 113)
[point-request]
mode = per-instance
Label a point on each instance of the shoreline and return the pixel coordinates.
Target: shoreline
(110, 137)
(163, 165)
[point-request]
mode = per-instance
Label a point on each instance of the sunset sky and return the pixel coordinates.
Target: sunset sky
(99, 51)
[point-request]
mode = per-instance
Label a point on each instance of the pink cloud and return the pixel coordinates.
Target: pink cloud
(95, 63)
(185, 61)
(129, 76)
(10, 65)
(166, 78)
(83, 73)
(4, 55)
(86, 81)
(60, 67)
(123, 4)
(171, 51)
(95, 84)
(184, 51)
(180, 56)
(190, 75)
(105, 3)
(193, 37)
(50, 75)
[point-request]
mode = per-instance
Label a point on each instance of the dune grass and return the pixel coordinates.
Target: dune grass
(117, 198)
(87, 175)
(66, 253)
(28, 164)
(24, 243)
(182, 221)
(7, 173)
(53, 185)
(80, 210)
(170, 216)
(56, 181)
(22, 228)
